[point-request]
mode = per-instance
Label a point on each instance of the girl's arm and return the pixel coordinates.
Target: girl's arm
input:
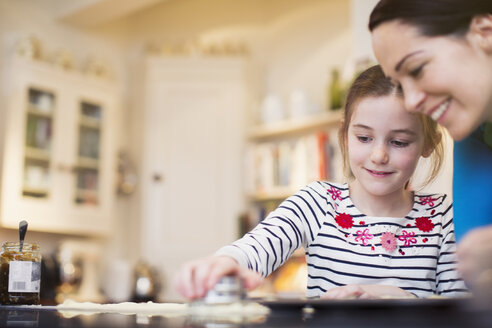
(260, 251)
(292, 225)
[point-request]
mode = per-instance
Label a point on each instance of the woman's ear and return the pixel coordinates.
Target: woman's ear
(481, 31)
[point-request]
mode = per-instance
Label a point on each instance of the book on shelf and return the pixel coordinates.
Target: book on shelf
(288, 164)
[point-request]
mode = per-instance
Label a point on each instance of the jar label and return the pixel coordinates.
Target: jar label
(24, 276)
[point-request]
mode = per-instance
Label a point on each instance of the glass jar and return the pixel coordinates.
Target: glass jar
(20, 273)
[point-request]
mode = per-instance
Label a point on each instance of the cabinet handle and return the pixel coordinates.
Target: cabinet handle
(62, 167)
(157, 177)
(67, 168)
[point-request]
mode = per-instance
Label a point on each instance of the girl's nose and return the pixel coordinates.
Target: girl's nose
(413, 96)
(379, 155)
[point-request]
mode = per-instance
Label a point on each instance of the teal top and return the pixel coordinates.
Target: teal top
(472, 181)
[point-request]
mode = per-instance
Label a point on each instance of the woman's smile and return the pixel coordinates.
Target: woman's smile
(437, 112)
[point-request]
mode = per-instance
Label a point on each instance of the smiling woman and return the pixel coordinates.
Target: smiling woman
(439, 53)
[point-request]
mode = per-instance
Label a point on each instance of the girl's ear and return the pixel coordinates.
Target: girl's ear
(481, 31)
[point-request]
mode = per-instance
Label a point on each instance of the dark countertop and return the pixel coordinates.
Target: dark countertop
(350, 313)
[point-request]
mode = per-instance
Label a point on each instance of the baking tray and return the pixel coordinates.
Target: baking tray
(322, 304)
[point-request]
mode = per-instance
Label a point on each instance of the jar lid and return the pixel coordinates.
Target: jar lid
(15, 246)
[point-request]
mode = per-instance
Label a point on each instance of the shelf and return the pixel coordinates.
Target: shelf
(296, 125)
(277, 193)
(38, 154)
(35, 111)
(86, 193)
(90, 122)
(88, 163)
(34, 192)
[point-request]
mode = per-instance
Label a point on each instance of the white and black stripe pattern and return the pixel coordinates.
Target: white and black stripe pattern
(335, 257)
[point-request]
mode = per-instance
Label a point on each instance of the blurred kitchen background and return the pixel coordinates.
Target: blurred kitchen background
(137, 135)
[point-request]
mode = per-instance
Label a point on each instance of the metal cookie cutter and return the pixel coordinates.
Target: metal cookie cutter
(229, 289)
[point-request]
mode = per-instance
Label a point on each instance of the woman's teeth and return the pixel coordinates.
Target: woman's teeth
(439, 111)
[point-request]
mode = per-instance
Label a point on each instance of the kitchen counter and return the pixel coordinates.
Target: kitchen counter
(350, 313)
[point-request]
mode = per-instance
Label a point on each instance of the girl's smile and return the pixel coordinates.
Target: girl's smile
(378, 174)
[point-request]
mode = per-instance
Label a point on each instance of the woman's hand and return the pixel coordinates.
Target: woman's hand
(475, 259)
(197, 277)
(366, 292)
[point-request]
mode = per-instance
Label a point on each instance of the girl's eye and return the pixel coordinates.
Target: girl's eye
(400, 144)
(363, 139)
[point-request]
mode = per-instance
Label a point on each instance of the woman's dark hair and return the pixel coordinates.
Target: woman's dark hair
(431, 17)
(372, 83)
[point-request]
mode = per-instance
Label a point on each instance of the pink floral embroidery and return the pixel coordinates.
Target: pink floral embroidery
(363, 236)
(388, 241)
(408, 238)
(427, 200)
(335, 193)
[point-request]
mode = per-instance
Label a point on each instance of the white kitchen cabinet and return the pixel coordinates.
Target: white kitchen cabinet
(58, 165)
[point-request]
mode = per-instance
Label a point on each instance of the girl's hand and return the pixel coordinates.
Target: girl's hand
(475, 259)
(366, 292)
(197, 277)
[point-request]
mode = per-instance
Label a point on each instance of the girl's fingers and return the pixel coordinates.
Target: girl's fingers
(251, 278)
(344, 292)
(202, 273)
(223, 266)
(196, 278)
(184, 280)
(332, 293)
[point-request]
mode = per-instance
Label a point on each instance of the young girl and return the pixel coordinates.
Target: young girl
(371, 237)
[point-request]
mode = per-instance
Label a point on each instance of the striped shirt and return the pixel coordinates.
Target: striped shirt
(344, 246)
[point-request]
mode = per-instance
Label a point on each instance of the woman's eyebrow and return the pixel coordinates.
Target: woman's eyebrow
(400, 63)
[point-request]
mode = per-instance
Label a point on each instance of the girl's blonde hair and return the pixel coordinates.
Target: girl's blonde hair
(373, 83)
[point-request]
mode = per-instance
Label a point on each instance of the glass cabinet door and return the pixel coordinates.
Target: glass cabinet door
(37, 154)
(88, 166)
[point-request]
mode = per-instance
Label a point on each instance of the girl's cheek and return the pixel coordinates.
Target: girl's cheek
(408, 159)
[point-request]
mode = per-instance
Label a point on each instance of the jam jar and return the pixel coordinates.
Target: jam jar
(20, 273)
